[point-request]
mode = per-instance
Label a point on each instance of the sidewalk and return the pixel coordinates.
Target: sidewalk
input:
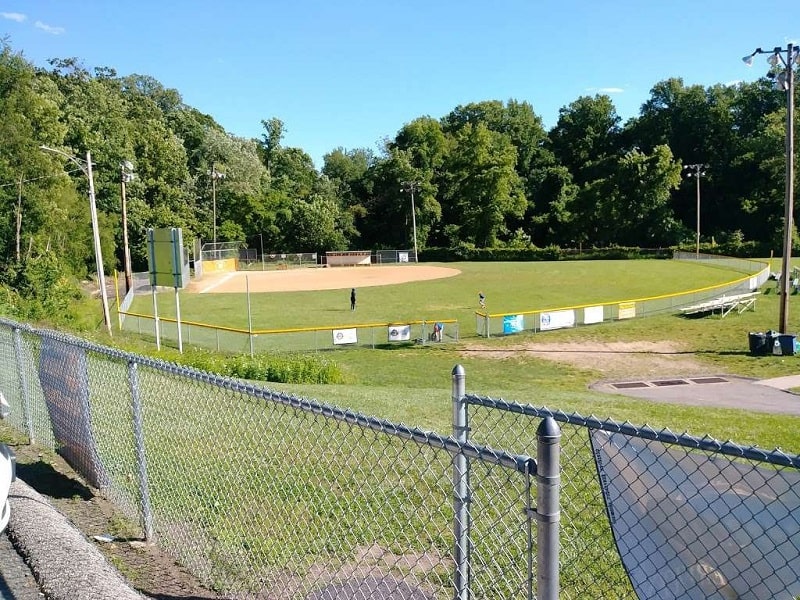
(717, 391)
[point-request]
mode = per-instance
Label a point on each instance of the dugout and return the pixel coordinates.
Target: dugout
(348, 258)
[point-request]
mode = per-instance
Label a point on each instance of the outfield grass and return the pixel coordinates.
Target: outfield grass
(509, 288)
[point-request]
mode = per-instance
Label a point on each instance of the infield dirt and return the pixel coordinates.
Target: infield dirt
(297, 280)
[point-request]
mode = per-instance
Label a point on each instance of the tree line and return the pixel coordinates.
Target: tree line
(486, 175)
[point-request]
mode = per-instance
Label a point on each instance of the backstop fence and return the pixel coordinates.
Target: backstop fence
(545, 319)
(263, 494)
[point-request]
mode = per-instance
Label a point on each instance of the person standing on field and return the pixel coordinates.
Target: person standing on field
(481, 299)
(353, 299)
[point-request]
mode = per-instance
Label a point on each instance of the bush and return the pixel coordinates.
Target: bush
(290, 368)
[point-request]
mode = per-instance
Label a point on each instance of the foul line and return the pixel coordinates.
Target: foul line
(218, 283)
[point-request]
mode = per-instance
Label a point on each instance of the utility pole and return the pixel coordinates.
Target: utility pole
(126, 176)
(784, 80)
(412, 186)
(697, 172)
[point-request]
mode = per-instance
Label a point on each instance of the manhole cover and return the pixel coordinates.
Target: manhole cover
(667, 382)
(709, 380)
(629, 385)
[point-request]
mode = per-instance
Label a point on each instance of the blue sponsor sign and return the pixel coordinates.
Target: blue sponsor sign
(513, 324)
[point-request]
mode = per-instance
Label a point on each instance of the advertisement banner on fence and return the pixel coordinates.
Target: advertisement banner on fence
(592, 314)
(345, 336)
(399, 333)
(402, 257)
(626, 310)
(513, 323)
(694, 525)
(557, 319)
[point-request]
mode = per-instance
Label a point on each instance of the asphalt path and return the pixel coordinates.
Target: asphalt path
(713, 391)
(16, 579)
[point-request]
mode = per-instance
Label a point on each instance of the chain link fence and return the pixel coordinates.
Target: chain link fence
(268, 495)
(545, 319)
(651, 514)
(298, 339)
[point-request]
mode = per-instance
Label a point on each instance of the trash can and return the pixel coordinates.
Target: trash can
(758, 343)
(788, 343)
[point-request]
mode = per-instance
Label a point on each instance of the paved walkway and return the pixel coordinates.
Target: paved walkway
(717, 391)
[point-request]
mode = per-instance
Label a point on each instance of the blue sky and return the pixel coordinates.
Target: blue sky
(350, 73)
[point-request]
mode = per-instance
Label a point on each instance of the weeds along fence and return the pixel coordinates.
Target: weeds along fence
(548, 318)
(298, 339)
(262, 494)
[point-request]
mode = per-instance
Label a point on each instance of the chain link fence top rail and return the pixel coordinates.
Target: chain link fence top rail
(654, 514)
(543, 319)
(263, 494)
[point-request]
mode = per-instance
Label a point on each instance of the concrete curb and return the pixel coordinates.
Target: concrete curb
(66, 565)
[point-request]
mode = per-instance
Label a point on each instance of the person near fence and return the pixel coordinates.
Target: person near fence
(481, 299)
(353, 299)
(437, 331)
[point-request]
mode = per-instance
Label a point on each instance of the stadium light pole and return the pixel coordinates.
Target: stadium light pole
(412, 186)
(697, 172)
(214, 174)
(784, 80)
(98, 254)
(126, 176)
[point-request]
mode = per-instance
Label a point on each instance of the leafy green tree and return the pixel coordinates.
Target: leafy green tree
(483, 186)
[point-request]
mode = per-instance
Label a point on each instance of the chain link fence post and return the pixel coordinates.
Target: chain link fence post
(461, 517)
(548, 514)
(141, 459)
(23, 385)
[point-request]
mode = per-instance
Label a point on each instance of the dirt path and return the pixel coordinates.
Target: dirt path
(609, 359)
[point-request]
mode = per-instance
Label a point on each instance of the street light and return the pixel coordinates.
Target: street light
(214, 174)
(697, 172)
(126, 176)
(784, 81)
(412, 186)
(98, 254)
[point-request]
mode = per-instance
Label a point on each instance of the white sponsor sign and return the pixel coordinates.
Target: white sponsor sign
(592, 314)
(557, 319)
(399, 333)
(345, 336)
(402, 257)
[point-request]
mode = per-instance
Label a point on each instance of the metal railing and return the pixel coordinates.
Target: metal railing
(264, 494)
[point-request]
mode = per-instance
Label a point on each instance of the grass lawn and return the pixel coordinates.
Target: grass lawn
(412, 383)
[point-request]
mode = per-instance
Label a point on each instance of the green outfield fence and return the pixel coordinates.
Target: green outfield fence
(548, 318)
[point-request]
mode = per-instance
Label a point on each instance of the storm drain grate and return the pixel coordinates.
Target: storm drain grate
(709, 380)
(629, 385)
(668, 382)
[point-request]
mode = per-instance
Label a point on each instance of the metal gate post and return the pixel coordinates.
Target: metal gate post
(141, 459)
(548, 515)
(461, 518)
